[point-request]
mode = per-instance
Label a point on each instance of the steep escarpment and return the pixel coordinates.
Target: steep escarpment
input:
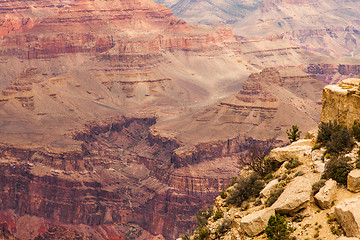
(333, 73)
(122, 173)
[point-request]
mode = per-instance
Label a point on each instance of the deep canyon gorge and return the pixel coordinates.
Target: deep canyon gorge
(119, 120)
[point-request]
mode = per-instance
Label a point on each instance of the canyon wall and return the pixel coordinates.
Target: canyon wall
(121, 174)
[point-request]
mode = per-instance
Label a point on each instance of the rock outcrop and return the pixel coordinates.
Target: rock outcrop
(326, 195)
(296, 149)
(255, 223)
(340, 102)
(353, 180)
(268, 188)
(347, 214)
(295, 197)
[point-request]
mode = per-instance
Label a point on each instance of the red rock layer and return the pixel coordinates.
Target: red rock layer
(18, 16)
(128, 27)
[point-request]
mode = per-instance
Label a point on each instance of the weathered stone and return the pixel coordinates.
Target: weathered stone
(348, 216)
(353, 180)
(268, 188)
(319, 166)
(341, 102)
(255, 223)
(295, 196)
(326, 195)
(296, 149)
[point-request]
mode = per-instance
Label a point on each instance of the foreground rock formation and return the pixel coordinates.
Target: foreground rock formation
(331, 213)
(340, 102)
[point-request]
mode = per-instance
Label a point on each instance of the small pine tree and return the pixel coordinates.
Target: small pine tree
(293, 133)
(277, 228)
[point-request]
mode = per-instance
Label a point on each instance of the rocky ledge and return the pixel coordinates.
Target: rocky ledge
(314, 208)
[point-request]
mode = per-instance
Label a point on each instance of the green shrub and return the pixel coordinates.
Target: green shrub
(316, 186)
(218, 214)
(202, 216)
(356, 130)
(233, 181)
(338, 169)
(299, 173)
(223, 227)
(274, 195)
(316, 146)
(277, 228)
(257, 202)
(293, 163)
(293, 133)
(245, 188)
(223, 194)
(204, 233)
(245, 206)
(185, 236)
(334, 137)
(298, 217)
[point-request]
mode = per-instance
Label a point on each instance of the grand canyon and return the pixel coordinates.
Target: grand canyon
(120, 119)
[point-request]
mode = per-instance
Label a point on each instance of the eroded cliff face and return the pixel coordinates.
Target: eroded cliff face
(121, 174)
(333, 73)
(341, 102)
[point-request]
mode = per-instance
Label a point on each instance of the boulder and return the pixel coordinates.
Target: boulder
(268, 188)
(296, 149)
(348, 216)
(253, 224)
(353, 180)
(326, 194)
(319, 166)
(295, 196)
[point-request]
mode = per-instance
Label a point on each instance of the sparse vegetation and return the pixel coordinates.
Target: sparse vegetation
(337, 168)
(356, 130)
(223, 227)
(257, 202)
(298, 218)
(257, 161)
(244, 189)
(334, 137)
(203, 234)
(299, 173)
(277, 228)
(293, 133)
(293, 163)
(223, 194)
(202, 216)
(274, 195)
(317, 186)
(218, 214)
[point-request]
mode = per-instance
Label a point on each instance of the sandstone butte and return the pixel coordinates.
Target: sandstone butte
(311, 217)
